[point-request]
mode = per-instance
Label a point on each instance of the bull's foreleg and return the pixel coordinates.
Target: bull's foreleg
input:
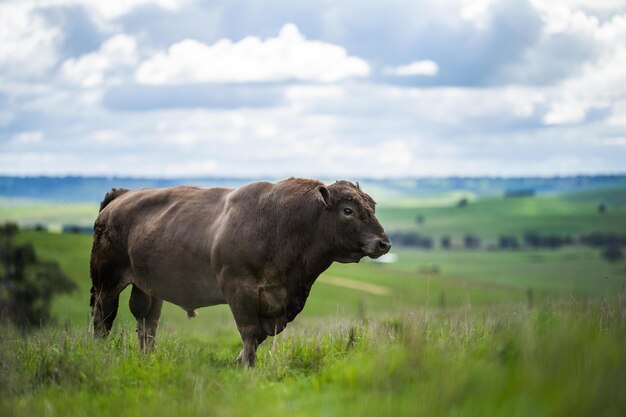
(252, 338)
(243, 300)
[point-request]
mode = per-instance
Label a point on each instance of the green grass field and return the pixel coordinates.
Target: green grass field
(439, 332)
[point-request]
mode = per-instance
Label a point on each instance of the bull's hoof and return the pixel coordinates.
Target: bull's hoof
(240, 361)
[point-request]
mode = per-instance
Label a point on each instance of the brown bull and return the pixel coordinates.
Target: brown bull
(259, 248)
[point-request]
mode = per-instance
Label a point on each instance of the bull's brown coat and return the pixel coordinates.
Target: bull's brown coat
(259, 248)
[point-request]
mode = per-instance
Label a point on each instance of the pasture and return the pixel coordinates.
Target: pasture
(527, 332)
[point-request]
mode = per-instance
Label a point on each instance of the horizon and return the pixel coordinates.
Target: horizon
(320, 177)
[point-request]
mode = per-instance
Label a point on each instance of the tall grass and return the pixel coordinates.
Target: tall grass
(559, 360)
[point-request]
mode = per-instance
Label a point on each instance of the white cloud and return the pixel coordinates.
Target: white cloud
(600, 82)
(478, 12)
(29, 137)
(106, 9)
(91, 70)
(564, 113)
(27, 43)
(615, 142)
(287, 57)
(110, 9)
(587, 5)
(425, 67)
(618, 114)
(314, 92)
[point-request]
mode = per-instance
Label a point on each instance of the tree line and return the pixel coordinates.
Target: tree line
(611, 244)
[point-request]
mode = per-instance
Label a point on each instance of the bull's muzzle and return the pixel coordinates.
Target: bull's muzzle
(377, 247)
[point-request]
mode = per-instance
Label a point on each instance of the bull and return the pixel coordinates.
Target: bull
(258, 248)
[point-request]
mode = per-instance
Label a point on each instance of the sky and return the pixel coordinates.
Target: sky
(312, 88)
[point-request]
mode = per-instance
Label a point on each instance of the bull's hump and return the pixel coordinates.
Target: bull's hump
(249, 194)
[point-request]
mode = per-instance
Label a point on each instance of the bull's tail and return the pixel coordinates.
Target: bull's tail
(112, 195)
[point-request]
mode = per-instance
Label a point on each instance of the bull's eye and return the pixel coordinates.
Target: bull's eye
(347, 211)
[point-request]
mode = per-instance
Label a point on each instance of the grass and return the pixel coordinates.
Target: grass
(564, 360)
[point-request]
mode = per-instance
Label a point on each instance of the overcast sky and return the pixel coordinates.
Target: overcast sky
(166, 88)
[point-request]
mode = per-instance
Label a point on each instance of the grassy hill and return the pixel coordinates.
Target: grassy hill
(567, 214)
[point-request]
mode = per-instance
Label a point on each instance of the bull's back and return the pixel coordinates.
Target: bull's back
(166, 234)
(186, 204)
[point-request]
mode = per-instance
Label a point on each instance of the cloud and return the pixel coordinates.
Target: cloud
(91, 70)
(425, 67)
(314, 92)
(112, 9)
(478, 12)
(28, 44)
(512, 88)
(287, 57)
(136, 97)
(29, 137)
(81, 31)
(564, 113)
(599, 83)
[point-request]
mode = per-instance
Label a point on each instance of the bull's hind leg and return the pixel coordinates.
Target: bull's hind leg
(147, 311)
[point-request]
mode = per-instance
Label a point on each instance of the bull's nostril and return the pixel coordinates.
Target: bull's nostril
(384, 244)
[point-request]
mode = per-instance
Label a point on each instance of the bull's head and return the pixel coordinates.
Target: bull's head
(350, 222)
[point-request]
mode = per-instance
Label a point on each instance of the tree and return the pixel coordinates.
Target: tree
(508, 242)
(613, 253)
(27, 285)
(471, 241)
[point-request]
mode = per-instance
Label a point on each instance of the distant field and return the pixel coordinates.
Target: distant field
(31, 212)
(566, 214)
(529, 332)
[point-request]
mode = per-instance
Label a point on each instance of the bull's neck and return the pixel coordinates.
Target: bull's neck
(317, 256)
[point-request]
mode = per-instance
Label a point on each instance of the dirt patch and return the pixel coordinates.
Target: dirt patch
(354, 285)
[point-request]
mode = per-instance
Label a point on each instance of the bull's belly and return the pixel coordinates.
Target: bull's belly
(188, 289)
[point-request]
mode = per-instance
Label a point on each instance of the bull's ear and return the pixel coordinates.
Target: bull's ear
(322, 193)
